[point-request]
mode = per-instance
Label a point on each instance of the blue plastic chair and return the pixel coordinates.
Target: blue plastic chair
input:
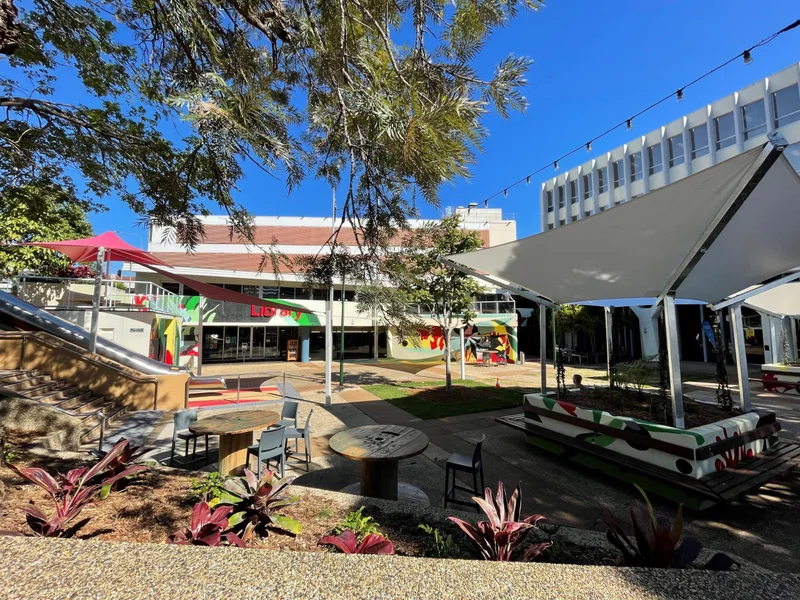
(305, 435)
(180, 431)
(270, 447)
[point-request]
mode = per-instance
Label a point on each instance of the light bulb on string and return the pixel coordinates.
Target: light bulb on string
(747, 57)
(588, 146)
(679, 94)
(630, 124)
(505, 193)
(528, 180)
(555, 165)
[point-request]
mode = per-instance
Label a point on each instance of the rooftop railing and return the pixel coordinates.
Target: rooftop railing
(115, 294)
(481, 307)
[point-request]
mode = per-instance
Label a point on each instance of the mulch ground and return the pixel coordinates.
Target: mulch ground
(160, 502)
(628, 404)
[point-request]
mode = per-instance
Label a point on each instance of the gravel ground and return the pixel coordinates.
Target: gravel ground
(38, 568)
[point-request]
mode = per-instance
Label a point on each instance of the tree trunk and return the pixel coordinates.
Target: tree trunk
(9, 28)
(447, 368)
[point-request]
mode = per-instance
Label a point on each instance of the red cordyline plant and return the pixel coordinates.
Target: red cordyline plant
(346, 542)
(259, 500)
(506, 530)
(657, 540)
(122, 461)
(70, 494)
(210, 528)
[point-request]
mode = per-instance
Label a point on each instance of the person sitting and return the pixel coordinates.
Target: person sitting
(577, 381)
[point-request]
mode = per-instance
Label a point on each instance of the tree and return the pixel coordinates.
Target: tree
(418, 277)
(573, 318)
(37, 213)
(379, 94)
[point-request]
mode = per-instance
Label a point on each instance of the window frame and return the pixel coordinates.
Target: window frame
(549, 199)
(652, 168)
(587, 186)
(632, 165)
(602, 180)
(673, 159)
(562, 197)
(573, 191)
(699, 152)
(752, 132)
(619, 173)
(795, 113)
(729, 140)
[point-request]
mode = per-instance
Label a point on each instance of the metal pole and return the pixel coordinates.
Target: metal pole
(329, 323)
(375, 336)
(98, 283)
(739, 353)
(238, 386)
(553, 327)
(703, 336)
(674, 361)
(543, 347)
(341, 341)
(463, 354)
(199, 335)
(283, 387)
(609, 339)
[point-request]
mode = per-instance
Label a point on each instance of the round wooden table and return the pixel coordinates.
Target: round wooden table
(235, 430)
(379, 448)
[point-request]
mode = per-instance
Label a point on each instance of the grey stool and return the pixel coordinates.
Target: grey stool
(180, 431)
(270, 447)
(467, 464)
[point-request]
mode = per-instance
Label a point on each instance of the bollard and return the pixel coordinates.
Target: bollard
(238, 386)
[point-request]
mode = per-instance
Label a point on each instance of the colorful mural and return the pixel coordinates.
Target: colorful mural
(164, 340)
(689, 452)
(493, 339)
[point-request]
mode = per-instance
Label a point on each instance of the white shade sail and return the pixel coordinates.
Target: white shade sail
(783, 301)
(704, 237)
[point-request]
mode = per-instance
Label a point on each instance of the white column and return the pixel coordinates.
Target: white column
(595, 189)
(463, 354)
(543, 202)
(738, 123)
(645, 166)
(609, 339)
(626, 171)
(739, 353)
(580, 193)
(687, 147)
(712, 135)
(665, 155)
(98, 284)
(703, 335)
(770, 114)
(676, 385)
(543, 348)
(200, 303)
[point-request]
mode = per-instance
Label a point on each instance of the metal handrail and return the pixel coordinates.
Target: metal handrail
(44, 338)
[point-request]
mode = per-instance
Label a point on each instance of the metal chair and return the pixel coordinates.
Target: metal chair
(468, 464)
(270, 447)
(288, 414)
(305, 435)
(180, 431)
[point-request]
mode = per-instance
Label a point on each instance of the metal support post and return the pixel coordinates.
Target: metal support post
(674, 361)
(740, 356)
(543, 347)
(98, 283)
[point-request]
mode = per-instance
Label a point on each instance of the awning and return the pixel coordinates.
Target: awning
(704, 237)
(117, 249)
(783, 301)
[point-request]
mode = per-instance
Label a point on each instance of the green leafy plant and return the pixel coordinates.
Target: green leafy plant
(505, 532)
(325, 513)
(635, 375)
(657, 541)
(70, 494)
(346, 543)
(441, 546)
(358, 523)
(208, 488)
(259, 500)
(210, 528)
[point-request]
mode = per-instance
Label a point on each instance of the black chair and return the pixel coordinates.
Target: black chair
(468, 464)
(180, 431)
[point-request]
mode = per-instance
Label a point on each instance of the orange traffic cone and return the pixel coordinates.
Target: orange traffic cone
(497, 383)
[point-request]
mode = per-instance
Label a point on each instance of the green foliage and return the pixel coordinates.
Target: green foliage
(360, 524)
(38, 212)
(440, 546)
(336, 89)
(326, 513)
(636, 374)
(208, 488)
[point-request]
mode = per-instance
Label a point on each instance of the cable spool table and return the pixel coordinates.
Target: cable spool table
(379, 448)
(235, 430)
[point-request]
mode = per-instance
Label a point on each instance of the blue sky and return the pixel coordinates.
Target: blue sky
(595, 63)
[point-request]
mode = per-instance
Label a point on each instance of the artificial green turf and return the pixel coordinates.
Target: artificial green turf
(462, 400)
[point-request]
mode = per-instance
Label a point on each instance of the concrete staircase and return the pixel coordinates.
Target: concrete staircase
(70, 398)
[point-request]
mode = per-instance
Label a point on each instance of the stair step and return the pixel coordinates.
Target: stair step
(42, 388)
(58, 396)
(81, 401)
(27, 383)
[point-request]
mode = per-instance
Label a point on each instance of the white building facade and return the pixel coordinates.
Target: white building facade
(693, 142)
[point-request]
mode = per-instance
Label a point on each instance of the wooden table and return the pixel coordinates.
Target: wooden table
(235, 430)
(379, 448)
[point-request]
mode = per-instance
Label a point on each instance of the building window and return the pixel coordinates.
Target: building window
(171, 286)
(675, 151)
(699, 137)
(602, 208)
(587, 213)
(636, 166)
(786, 105)
(269, 291)
(251, 290)
(573, 192)
(656, 162)
(724, 131)
(602, 180)
(619, 174)
(549, 225)
(561, 196)
(587, 186)
(754, 119)
(562, 222)
(550, 207)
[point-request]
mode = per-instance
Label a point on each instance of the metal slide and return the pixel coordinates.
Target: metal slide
(21, 315)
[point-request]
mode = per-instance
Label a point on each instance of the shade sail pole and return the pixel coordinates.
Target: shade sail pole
(553, 327)
(609, 339)
(543, 347)
(463, 355)
(674, 361)
(737, 333)
(329, 318)
(98, 284)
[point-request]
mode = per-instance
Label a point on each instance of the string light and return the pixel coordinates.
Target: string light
(746, 55)
(528, 180)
